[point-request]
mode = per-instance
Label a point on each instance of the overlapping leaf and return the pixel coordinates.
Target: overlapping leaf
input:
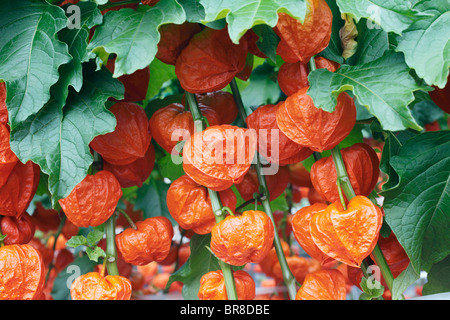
(372, 84)
(30, 54)
(58, 139)
(418, 208)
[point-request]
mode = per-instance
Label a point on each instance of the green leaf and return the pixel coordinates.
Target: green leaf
(194, 10)
(392, 16)
(334, 49)
(160, 73)
(418, 208)
(372, 44)
(371, 83)
(243, 15)
(59, 140)
(371, 290)
(77, 41)
(268, 41)
(61, 285)
(77, 241)
(30, 54)
(438, 279)
(200, 261)
(170, 169)
(403, 281)
(151, 199)
(94, 253)
(94, 236)
(425, 110)
(133, 35)
(426, 43)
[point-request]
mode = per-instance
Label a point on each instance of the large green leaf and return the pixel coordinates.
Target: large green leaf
(418, 208)
(58, 139)
(133, 35)
(426, 43)
(372, 84)
(200, 261)
(392, 16)
(30, 54)
(438, 279)
(243, 15)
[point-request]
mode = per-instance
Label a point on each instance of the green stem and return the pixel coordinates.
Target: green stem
(216, 204)
(127, 217)
(111, 252)
(116, 4)
(344, 181)
(288, 278)
(56, 235)
(312, 64)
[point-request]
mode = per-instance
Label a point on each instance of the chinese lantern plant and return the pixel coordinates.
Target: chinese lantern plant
(127, 106)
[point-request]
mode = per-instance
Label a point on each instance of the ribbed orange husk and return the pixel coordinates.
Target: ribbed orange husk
(172, 124)
(273, 144)
(8, 158)
(276, 183)
(238, 240)
(93, 286)
(326, 284)
(302, 232)
(271, 259)
(301, 121)
(210, 61)
(19, 189)
(348, 236)
(299, 175)
(130, 139)
(308, 39)
(17, 230)
(212, 286)
(363, 169)
(22, 272)
(135, 173)
(149, 242)
(190, 206)
(93, 200)
(174, 38)
(294, 76)
(220, 101)
(219, 156)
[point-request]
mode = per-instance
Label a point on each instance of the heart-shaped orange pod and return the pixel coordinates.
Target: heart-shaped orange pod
(93, 200)
(210, 61)
(135, 84)
(174, 38)
(299, 266)
(327, 284)
(220, 101)
(150, 241)
(17, 230)
(310, 37)
(238, 240)
(300, 120)
(189, 204)
(212, 286)
(276, 183)
(299, 175)
(135, 173)
(302, 231)
(442, 96)
(219, 156)
(22, 272)
(7, 158)
(362, 164)
(294, 76)
(3, 108)
(348, 236)
(273, 144)
(19, 189)
(173, 123)
(130, 139)
(45, 219)
(271, 259)
(94, 286)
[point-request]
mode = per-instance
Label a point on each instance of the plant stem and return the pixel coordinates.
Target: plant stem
(216, 204)
(111, 252)
(288, 278)
(312, 64)
(56, 235)
(344, 181)
(127, 217)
